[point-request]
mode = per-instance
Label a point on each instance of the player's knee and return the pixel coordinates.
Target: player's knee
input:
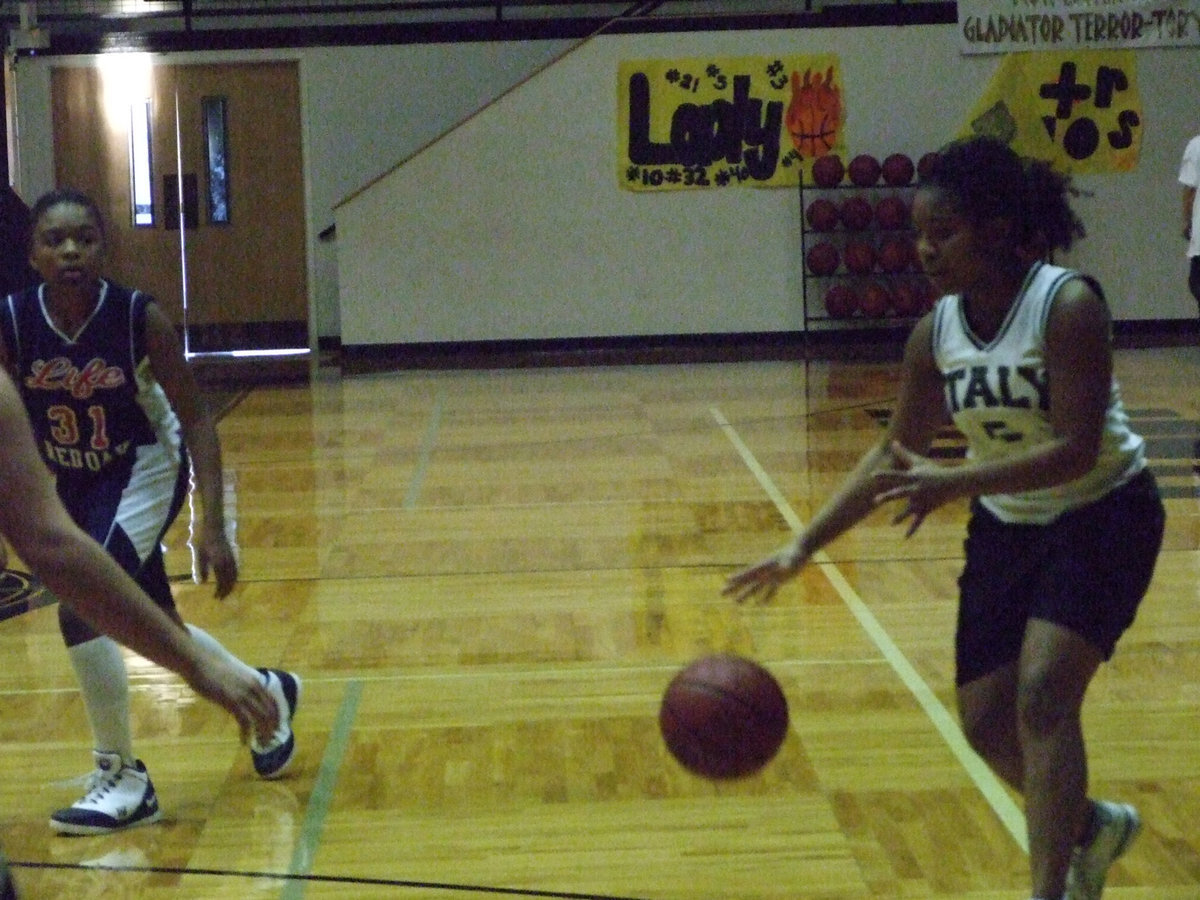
(1041, 706)
(986, 728)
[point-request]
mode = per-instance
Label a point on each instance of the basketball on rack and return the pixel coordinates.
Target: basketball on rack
(898, 170)
(856, 213)
(864, 170)
(822, 215)
(828, 170)
(823, 258)
(891, 213)
(860, 257)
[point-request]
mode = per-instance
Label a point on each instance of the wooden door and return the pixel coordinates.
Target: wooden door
(231, 285)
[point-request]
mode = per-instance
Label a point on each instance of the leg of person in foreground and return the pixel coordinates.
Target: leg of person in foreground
(153, 410)
(1024, 721)
(83, 576)
(120, 793)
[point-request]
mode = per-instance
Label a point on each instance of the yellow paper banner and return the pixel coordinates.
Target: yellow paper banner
(724, 121)
(1079, 110)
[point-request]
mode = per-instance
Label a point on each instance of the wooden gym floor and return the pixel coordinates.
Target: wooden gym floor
(486, 578)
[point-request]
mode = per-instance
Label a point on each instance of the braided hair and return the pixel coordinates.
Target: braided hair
(986, 179)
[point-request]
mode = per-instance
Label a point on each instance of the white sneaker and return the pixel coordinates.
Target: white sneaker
(273, 757)
(1119, 824)
(119, 796)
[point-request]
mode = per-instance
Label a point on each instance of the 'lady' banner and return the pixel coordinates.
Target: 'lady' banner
(1004, 26)
(720, 122)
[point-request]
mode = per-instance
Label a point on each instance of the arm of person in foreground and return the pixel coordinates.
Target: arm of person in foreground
(213, 549)
(919, 412)
(83, 575)
(1189, 200)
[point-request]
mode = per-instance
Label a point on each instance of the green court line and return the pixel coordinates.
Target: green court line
(424, 454)
(322, 793)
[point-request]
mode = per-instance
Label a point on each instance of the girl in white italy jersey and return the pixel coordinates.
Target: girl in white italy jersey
(1066, 520)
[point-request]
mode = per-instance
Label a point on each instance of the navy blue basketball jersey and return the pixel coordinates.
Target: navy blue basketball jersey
(91, 397)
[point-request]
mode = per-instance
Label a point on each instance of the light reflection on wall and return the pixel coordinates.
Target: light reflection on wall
(126, 83)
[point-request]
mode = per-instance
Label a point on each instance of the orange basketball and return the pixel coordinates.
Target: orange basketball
(891, 213)
(896, 254)
(723, 716)
(897, 169)
(860, 257)
(874, 300)
(841, 301)
(828, 171)
(821, 215)
(864, 170)
(823, 258)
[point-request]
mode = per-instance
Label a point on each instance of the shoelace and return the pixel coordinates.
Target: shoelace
(104, 784)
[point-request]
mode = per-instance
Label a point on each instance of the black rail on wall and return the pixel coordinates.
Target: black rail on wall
(94, 26)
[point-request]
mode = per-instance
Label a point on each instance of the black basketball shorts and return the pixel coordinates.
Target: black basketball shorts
(1086, 571)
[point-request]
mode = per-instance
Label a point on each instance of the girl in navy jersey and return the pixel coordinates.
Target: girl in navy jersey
(1066, 521)
(120, 422)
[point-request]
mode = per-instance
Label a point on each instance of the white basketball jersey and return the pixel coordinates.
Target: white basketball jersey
(998, 395)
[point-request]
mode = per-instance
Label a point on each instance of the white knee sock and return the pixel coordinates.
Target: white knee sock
(104, 685)
(211, 644)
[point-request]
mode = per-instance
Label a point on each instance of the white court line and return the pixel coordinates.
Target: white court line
(989, 785)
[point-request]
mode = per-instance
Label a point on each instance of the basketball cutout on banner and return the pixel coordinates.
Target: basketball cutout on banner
(814, 114)
(723, 716)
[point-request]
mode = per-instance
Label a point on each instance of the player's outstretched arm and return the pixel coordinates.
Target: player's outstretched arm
(82, 574)
(214, 552)
(849, 505)
(919, 412)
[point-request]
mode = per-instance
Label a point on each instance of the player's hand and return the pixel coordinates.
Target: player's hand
(214, 553)
(921, 483)
(241, 693)
(762, 580)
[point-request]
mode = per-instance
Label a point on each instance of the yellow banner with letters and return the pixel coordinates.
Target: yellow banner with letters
(1079, 110)
(726, 121)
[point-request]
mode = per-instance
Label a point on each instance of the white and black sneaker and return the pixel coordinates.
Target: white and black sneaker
(1117, 826)
(118, 796)
(271, 758)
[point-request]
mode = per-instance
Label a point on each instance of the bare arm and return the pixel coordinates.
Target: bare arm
(83, 575)
(200, 434)
(920, 411)
(1189, 200)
